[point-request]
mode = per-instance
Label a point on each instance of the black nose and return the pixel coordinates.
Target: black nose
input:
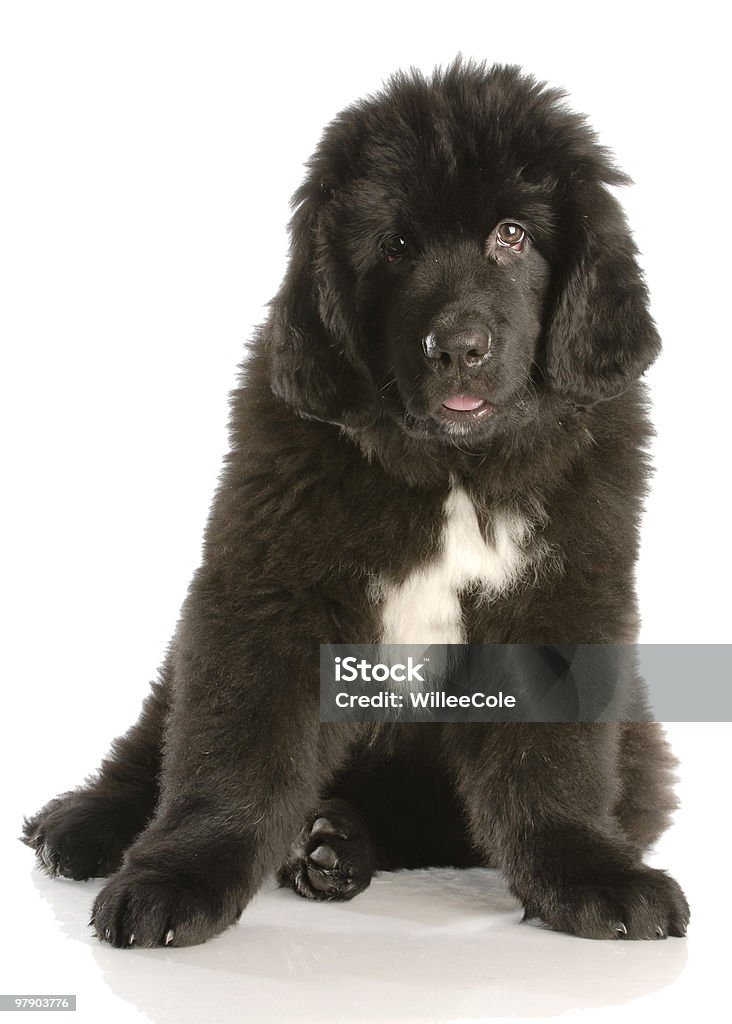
(468, 348)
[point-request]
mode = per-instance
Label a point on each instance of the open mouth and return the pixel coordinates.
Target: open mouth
(462, 408)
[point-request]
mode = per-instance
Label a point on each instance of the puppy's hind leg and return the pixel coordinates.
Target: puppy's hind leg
(84, 833)
(333, 857)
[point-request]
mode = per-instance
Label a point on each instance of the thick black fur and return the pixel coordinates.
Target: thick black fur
(341, 459)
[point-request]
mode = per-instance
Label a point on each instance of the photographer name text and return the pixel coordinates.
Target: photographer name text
(418, 701)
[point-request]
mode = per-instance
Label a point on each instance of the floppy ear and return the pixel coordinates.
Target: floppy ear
(601, 336)
(310, 337)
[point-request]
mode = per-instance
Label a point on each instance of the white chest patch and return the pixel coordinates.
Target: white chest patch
(425, 608)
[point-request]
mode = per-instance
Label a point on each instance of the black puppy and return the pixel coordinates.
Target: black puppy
(439, 437)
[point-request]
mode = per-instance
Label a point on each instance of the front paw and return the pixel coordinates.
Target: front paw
(160, 907)
(634, 903)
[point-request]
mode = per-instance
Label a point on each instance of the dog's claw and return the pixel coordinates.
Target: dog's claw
(47, 859)
(131, 939)
(660, 932)
(169, 936)
(621, 929)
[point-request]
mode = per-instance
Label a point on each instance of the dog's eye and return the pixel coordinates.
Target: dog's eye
(394, 247)
(510, 236)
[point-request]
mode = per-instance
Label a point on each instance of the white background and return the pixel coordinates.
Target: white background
(148, 153)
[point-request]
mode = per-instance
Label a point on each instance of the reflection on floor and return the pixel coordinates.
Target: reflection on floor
(436, 946)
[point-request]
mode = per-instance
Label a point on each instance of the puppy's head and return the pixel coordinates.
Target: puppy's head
(457, 256)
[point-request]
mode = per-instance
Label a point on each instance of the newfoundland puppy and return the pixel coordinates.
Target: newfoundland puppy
(439, 437)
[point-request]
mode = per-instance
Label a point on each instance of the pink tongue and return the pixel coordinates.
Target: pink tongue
(463, 403)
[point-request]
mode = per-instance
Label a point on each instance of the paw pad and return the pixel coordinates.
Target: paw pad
(331, 859)
(324, 857)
